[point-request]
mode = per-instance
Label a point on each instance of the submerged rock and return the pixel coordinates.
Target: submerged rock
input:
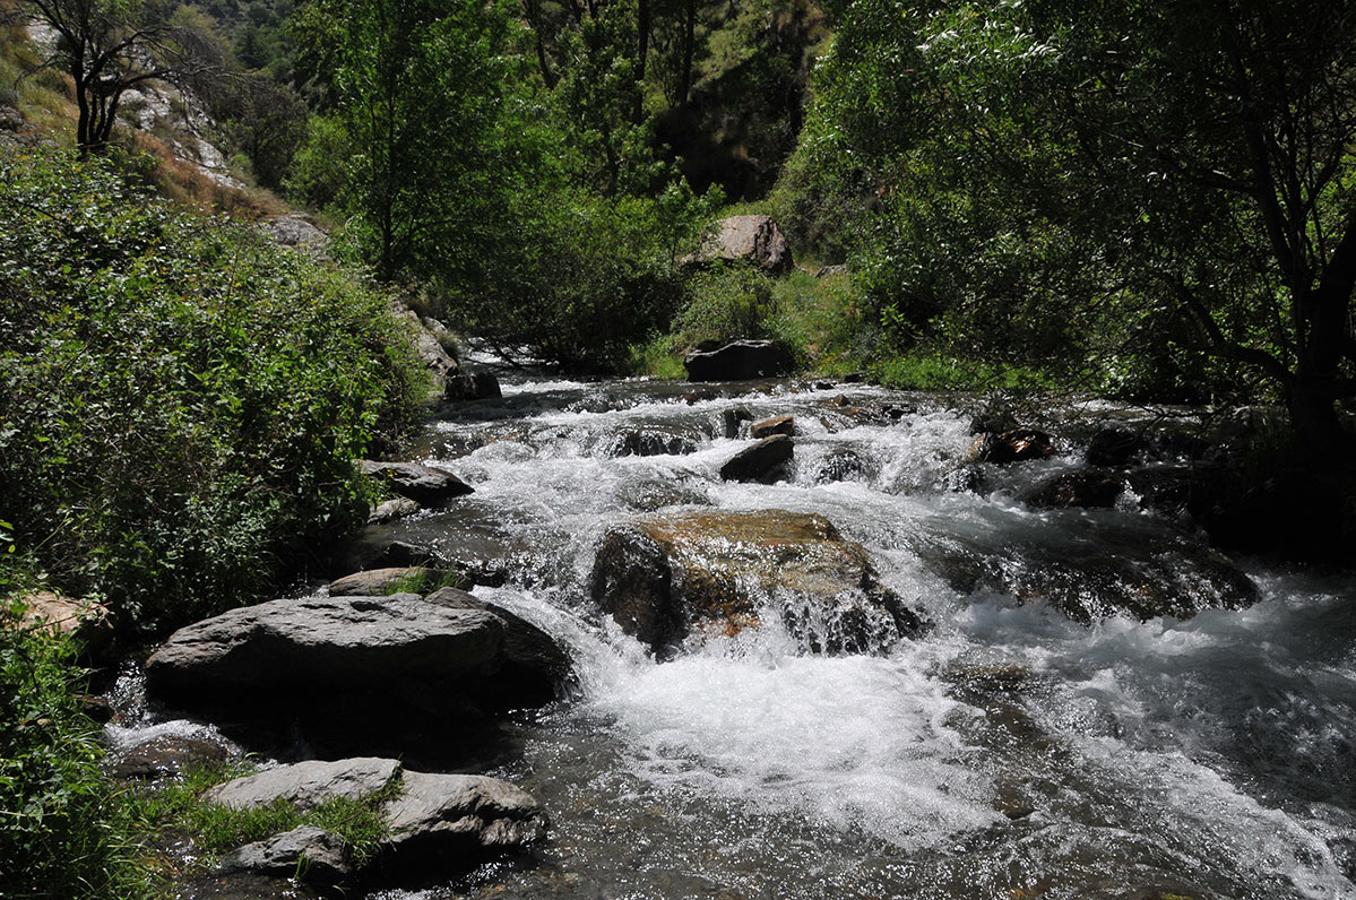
(1017, 445)
(391, 510)
(311, 853)
(1104, 567)
(644, 442)
(1114, 447)
(840, 464)
(717, 572)
(1082, 487)
(420, 483)
(385, 658)
(740, 361)
(166, 756)
(765, 461)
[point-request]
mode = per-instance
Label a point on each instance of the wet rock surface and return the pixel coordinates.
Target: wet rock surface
(718, 573)
(166, 756)
(457, 819)
(764, 461)
(313, 853)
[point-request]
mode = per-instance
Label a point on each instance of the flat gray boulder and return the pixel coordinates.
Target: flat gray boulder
(441, 816)
(313, 852)
(307, 784)
(420, 483)
(311, 656)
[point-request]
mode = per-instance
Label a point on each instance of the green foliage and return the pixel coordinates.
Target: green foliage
(181, 400)
(67, 832)
(178, 807)
(725, 303)
(933, 372)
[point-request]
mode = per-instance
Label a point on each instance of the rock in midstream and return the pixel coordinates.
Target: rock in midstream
(387, 656)
(420, 483)
(764, 461)
(666, 578)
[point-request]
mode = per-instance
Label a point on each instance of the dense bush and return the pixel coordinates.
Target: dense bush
(181, 400)
(66, 833)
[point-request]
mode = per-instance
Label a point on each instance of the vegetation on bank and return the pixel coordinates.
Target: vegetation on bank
(182, 401)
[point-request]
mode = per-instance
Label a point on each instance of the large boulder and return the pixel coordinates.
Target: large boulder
(763, 461)
(310, 853)
(299, 233)
(752, 239)
(438, 818)
(740, 361)
(428, 344)
(418, 482)
(389, 658)
(664, 579)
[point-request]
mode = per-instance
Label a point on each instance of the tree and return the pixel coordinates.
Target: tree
(111, 46)
(1193, 155)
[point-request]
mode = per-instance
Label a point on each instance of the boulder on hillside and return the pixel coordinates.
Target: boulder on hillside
(386, 658)
(312, 854)
(472, 386)
(739, 361)
(420, 483)
(1017, 445)
(87, 622)
(666, 578)
(428, 344)
(775, 425)
(379, 582)
(752, 239)
(1079, 488)
(299, 233)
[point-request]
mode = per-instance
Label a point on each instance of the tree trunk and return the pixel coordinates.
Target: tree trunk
(689, 48)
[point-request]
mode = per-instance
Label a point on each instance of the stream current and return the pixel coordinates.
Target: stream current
(1008, 752)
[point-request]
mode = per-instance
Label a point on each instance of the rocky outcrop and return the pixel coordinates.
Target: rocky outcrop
(310, 853)
(307, 785)
(1079, 488)
(442, 818)
(764, 461)
(752, 239)
(706, 573)
(428, 343)
(775, 425)
(1018, 445)
(386, 658)
(378, 582)
(739, 361)
(422, 484)
(472, 386)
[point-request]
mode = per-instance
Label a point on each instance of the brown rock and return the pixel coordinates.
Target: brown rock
(776, 425)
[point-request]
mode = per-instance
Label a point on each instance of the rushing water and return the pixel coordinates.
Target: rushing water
(1009, 752)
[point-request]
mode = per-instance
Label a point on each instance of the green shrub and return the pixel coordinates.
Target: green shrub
(67, 832)
(725, 303)
(936, 372)
(181, 400)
